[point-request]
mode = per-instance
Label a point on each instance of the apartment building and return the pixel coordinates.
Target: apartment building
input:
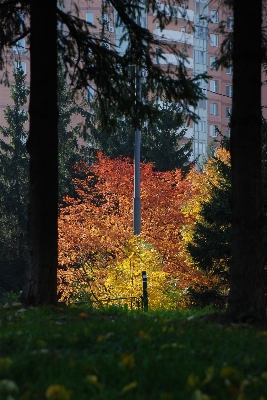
(201, 45)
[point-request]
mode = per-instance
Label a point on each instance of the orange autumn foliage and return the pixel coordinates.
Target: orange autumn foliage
(94, 228)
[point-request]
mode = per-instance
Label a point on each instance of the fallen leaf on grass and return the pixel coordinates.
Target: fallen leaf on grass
(93, 380)
(193, 380)
(127, 360)
(57, 392)
(262, 333)
(209, 374)
(198, 395)
(83, 315)
(102, 338)
(144, 335)
(129, 387)
(231, 374)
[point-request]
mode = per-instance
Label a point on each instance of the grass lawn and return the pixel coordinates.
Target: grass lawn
(78, 353)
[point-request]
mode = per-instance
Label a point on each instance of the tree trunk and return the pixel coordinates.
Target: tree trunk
(41, 281)
(246, 299)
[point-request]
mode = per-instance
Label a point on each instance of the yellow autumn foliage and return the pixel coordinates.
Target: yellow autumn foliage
(124, 280)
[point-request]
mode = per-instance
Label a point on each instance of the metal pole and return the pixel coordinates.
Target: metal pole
(137, 200)
(145, 296)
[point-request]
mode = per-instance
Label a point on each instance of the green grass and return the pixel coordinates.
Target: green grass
(115, 354)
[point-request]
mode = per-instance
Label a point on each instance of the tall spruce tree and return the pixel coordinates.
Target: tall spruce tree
(69, 132)
(14, 185)
(14, 178)
(160, 141)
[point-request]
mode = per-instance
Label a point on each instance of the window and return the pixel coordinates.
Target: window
(201, 8)
(228, 112)
(20, 48)
(199, 147)
(90, 93)
(213, 109)
(230, 22)
(229, 70)
(201, 32)
(228, 133)
(118, 21)
(22, 64)
(214, 86)
(201, 126)
(229, 90)
(183, 29)
(214, 40)
(214, 17)
(202, 104)
(90, 18)
(143, 23)
(200, 57)
(157, 25)
(212, 62)
(19, 19)
(213, 130)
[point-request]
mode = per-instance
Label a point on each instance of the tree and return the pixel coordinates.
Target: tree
(15, 171)
(86, 59)
(124, 278)
(69, 151)
(161, 138)
(14, 187)
(161, 141)
(95, 226)
(207, 232)
(246, 298)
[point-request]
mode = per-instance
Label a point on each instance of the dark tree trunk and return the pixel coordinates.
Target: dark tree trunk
(246, 299)
(42, 145)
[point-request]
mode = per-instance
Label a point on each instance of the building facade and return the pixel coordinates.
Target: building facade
(200, 43)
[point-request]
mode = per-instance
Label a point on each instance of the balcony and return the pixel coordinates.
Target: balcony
(174, 60)
(178, 12)
(174, 36)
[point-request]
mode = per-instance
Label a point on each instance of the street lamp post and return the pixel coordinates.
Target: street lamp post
(137, 200)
